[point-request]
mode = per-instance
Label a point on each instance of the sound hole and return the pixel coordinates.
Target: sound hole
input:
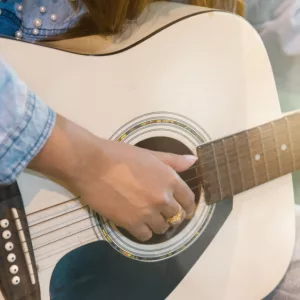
(166, 144)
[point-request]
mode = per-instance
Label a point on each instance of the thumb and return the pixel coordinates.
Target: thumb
(177, 162)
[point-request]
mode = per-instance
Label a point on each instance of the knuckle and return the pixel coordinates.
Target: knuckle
(174, 179)
(141, 232)
(190, 212)
(178, 222)
(145, 236)
(160, 200)
(165, 229)
(190, 197)
(161, 229)
(147, 214)
(183, 215)
(191, 204)
(132, 226)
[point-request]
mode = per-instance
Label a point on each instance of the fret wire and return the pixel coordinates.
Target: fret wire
(277, 149)
(263, 151)
(251, 155)
(228, 169)
(259, 155)
(290, 141)
(283, 140)
(217, 169)
(239, 162)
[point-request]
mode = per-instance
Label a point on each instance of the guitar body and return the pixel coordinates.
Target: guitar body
(203, 77)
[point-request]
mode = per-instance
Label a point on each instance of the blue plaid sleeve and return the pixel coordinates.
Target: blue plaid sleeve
(25, 124)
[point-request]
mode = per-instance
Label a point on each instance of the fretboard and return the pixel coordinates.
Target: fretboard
(250, 158)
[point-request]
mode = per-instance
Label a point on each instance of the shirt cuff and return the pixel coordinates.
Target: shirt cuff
(26, 140)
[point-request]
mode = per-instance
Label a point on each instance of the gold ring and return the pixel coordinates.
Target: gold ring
(177, 218)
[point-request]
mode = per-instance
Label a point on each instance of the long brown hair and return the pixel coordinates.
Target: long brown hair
(109, 17)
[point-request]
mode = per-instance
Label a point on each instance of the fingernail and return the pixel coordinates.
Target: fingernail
(190, 216)
(191, 158)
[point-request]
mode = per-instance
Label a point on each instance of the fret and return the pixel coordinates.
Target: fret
(270, 151)
(257, 156)
(233, 165)
(290, 142)
(277, 148)
(296, 152)
(283, 146)
(245, 162)
(222, 169)
(293, 122)
(208, 173)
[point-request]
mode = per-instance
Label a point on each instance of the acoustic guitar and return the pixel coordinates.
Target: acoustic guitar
(200, 84)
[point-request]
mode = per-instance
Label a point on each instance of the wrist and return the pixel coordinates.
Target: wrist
(63, 155)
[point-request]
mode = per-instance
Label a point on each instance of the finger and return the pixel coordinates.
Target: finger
(141, 232)
(178, 218)
(173, 213)
(158, 224)
(170, 208)
(179, 163)
(185, 197)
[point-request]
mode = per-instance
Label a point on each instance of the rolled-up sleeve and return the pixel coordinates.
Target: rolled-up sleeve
(25, 124)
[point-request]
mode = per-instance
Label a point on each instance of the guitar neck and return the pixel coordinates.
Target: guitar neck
(250, 158)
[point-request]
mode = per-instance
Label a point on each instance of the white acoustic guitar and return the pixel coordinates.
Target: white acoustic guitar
(202, 84)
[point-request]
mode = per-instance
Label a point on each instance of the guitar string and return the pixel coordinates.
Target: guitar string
(82, 230)
(85, 206)
(78, 221)
(266, 140)
(86, 242)
(66, 213)
(82, 207)
(234, 152)
(234, 143)
(196, 166)
(65, 237)
(52, 206)
(67, 225)
(93, 237)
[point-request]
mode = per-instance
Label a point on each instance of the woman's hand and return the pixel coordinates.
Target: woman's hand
(135, 188)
